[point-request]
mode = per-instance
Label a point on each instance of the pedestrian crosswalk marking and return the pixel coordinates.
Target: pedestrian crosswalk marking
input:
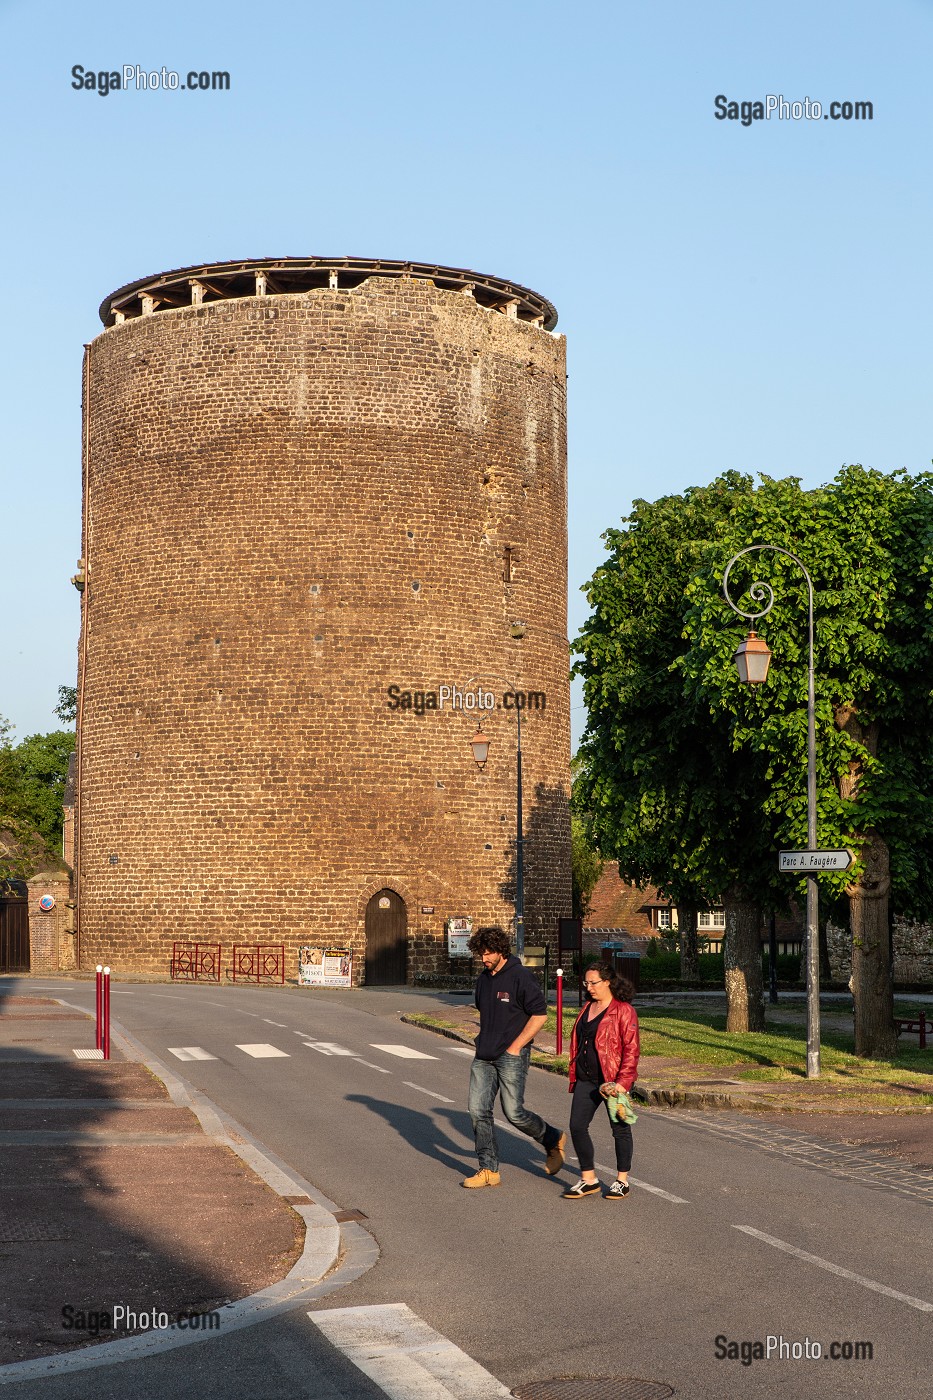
(404, 1052)
(190, 1052)
(327, 1047)
(264, 1052)
(460, 1050)
(404, 1356)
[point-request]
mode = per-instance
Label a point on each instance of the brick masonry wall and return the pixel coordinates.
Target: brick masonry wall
(51, 939)
(293, 503)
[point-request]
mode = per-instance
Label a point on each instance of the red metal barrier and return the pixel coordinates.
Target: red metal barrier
(918, 1024)
(560, 1011)
(254, 961)
(193, 962)
(100, 1004)
(105, 1032)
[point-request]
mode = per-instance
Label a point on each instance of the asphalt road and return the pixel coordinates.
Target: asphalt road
(720, 1237)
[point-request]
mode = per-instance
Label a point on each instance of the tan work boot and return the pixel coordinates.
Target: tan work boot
(555, 1156)
(484, 1177)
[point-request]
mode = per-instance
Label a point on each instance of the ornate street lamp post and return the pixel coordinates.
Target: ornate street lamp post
(751, 658)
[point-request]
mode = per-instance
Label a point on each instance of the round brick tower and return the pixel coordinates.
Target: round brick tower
(324, 521)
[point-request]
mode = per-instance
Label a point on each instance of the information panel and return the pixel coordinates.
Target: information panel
(325, 967)
(459, 931)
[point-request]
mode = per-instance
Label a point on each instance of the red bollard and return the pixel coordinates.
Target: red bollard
(105, 1039)
(560, 1011)
(100, 1005)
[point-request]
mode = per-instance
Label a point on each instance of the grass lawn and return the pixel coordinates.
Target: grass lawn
(698, 1038)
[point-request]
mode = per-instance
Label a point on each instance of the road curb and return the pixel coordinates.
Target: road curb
(410, 1020)
(660, 1097)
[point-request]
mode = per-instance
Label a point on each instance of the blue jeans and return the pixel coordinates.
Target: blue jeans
(506, 1077)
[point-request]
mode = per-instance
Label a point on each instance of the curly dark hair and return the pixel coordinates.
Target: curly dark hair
(490, 940)
(620, 987)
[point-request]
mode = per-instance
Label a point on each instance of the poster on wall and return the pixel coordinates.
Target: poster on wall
(324, 967)
(459, 929)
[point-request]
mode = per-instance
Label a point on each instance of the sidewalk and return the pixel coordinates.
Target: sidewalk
(112, 1194)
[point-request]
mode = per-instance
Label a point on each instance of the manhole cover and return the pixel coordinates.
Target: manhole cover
(342, 1216)
(31, 1232)
(593, 1388)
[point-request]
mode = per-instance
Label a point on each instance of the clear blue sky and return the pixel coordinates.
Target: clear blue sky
(753, 297)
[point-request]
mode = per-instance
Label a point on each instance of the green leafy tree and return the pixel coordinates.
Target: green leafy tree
(32, 785)
(694, 781)
(867, 541)
(586, 866)
(666, 793)
(40, 769)
(67, 707)
(17, 843)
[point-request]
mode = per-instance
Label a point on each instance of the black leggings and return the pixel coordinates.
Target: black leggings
(586, 1100)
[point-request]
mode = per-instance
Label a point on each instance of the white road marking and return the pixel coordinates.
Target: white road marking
(327, 1047)
(460, 1050)
(122, 994)
(368, 1065)
(404, 1052)
(264, 1052)
(167, 996)
(423, 1090)
(655, 1190)
(280, 1024)
(190, 1052)
(405, 1357)
(917, 1303)
(610, 1171)
(88, 1054)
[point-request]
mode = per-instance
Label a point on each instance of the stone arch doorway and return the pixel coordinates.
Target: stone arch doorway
(386, 940)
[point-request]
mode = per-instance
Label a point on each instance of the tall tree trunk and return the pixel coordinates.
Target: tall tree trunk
(871, 984)
(689, 949)
(745, 1004)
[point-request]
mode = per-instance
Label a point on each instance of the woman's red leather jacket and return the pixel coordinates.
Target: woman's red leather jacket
(616, 1044)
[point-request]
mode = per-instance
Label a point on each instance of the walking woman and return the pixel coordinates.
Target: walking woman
(603, 1059)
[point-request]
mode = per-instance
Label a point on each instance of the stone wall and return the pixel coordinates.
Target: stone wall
(913, 951)
(294, 503)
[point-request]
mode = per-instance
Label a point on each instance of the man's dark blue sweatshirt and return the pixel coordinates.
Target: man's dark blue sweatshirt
(505, 1000)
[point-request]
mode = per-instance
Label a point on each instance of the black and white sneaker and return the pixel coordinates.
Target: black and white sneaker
(617, 1191)
(581, 1189)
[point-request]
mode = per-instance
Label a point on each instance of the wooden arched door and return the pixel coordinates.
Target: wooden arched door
(386, 940)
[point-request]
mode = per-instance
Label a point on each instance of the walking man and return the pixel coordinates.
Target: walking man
(512, 1009)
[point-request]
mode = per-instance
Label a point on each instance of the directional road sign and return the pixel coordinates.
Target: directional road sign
(805, 862)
